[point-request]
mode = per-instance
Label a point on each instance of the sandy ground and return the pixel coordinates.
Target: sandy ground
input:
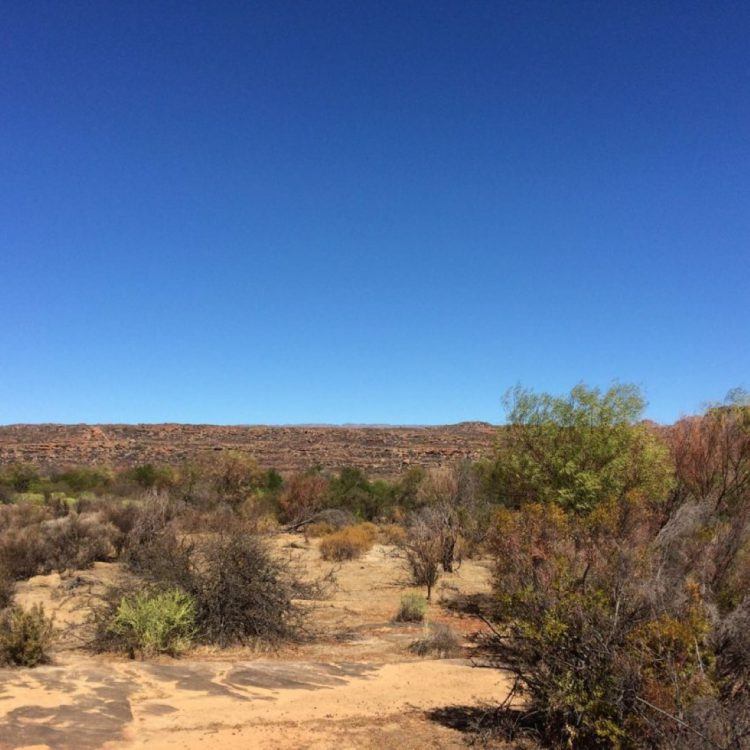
(355, 685)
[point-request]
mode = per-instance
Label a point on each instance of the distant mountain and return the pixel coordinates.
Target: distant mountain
(381, 450)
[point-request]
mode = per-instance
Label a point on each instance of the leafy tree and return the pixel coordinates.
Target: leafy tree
(153, 477)
(406, 489)
(579, 450)
(351, 490)
(19, 477)
(274, 481)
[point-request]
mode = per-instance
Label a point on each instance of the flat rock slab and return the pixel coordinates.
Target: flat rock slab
(89, 703)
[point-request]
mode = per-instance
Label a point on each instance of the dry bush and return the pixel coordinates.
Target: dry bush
(201, 520)
(349, 543)
(75, 542)
(21, 515)
(369, 529)
(256, 513)
(303, 588)
(708, 526)
(153, 524)
(236, 477)
(334, 518)
(607, 652)
(25, 636)
(7, 589)
(412, 608)
(265, 524)
(393, 533)
(21, 552)
(442, 642)
(720, 718)
(164, 559)
(242, 593)
(732, 650)
(20, 539)
(422, 551)
(440, 493)
(318, 529)
(303, 496)
(122, 514)
(233, 479)
(453, 505)
(711, 453)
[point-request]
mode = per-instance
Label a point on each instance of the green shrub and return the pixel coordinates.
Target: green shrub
(63, 501)
(81, 479)
(154, 622)
(32, 498)
(25, 636)
(149, 476)
(412, 608)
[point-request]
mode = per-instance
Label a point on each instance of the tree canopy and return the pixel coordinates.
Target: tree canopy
(577, 450)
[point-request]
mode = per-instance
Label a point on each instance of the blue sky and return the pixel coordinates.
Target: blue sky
(279, 212)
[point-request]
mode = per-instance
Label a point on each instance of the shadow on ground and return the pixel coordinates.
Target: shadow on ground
(92, 705)
(489, 726)
(97, 711)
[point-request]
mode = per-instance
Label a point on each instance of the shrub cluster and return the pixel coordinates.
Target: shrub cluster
(620, 599)
(239, 591)
(48, 544)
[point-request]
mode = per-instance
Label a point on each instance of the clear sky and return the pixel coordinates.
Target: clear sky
(274, 212)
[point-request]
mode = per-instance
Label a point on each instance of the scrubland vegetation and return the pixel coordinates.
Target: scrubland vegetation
(619, 551)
